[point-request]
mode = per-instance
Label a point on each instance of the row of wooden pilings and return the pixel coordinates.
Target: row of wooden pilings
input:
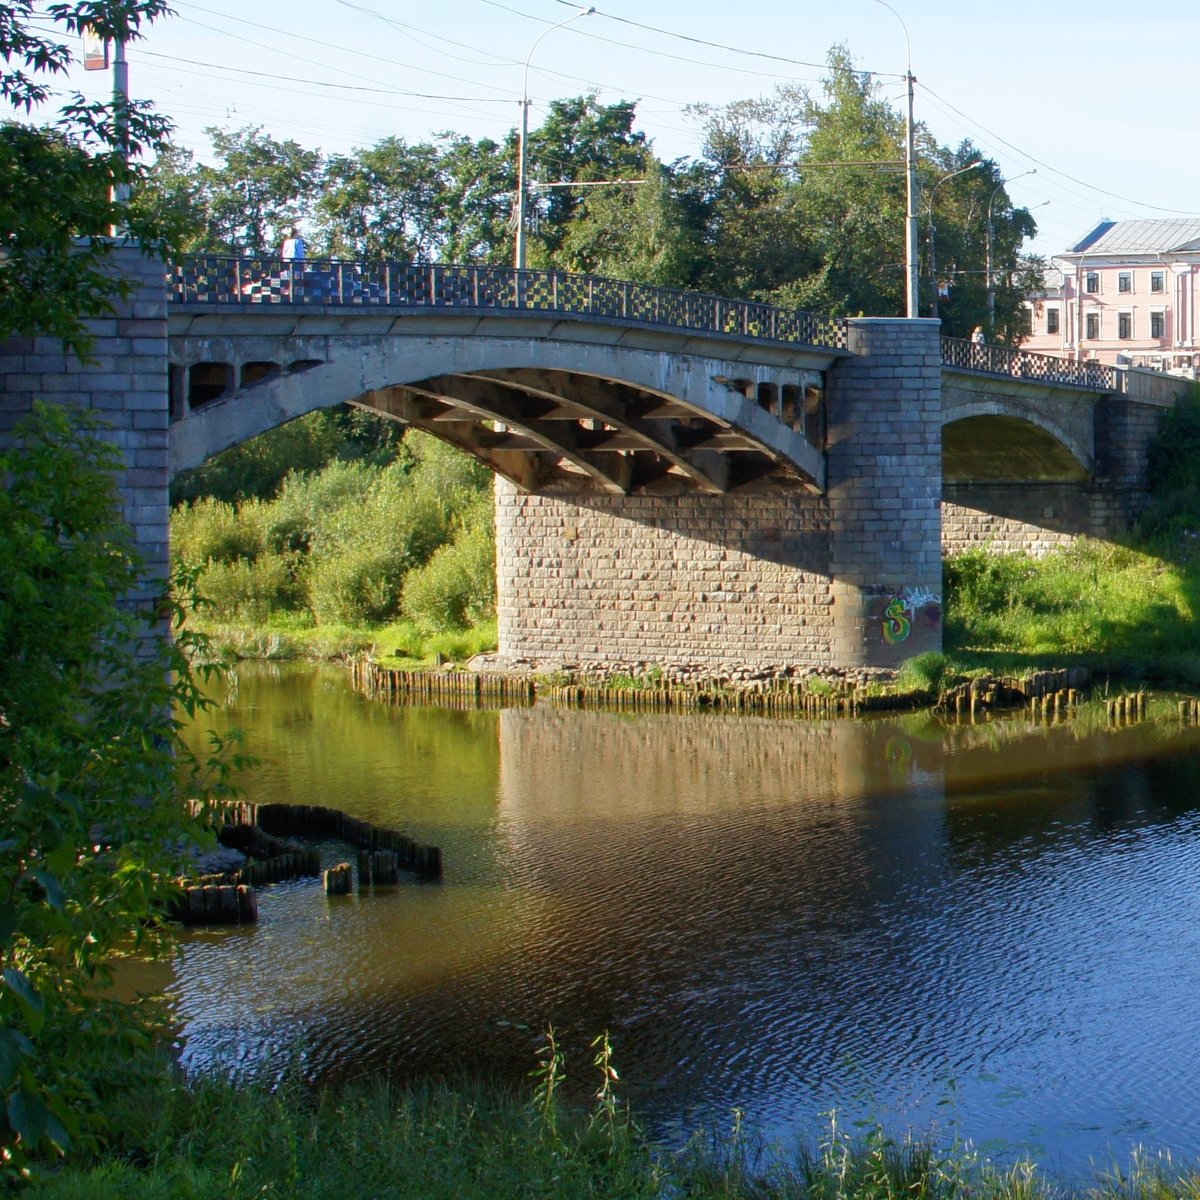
(216, 904)
(1124, 710)
(376, 868)
(779, 699)
(448, 687)
(1046, 694)
(382, 683)
(256, 829)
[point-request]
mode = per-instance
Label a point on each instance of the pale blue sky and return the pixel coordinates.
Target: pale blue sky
(1101, 97)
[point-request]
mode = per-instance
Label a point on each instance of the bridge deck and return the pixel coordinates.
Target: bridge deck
(215, 280)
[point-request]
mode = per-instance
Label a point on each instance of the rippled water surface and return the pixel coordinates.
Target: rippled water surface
(994, 929)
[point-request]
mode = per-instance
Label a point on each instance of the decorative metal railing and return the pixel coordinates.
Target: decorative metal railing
(1019, 364)
(244, 281)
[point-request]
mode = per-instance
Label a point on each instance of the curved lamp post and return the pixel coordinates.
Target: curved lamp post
(991, 283)
(912, 285)
(519, 250)
(933, 309)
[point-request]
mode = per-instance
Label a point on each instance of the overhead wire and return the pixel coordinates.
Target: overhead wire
(286, 83)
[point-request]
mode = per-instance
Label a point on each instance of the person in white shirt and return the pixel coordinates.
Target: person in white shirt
(293, 246)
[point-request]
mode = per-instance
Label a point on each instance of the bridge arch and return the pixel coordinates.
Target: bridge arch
(580, 408)
(981, 445)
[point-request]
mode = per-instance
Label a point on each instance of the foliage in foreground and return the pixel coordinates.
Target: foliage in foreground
(89, 756)
(213, 1140)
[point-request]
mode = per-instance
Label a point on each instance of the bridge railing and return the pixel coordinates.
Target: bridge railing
(1020, 364)
(314, 282)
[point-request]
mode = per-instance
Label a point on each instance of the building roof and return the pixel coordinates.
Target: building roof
(1158, 236)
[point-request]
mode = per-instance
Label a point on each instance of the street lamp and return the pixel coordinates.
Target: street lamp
(991, 286)
(912, 284)
(519, 251)
(933, 308)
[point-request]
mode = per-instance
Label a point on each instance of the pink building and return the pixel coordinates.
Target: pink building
(1126, 294)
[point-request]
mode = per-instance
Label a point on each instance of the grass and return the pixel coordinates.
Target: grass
(213, 1140)
(289, 636)
(1127, 611)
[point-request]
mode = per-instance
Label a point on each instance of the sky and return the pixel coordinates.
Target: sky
(1093, 105)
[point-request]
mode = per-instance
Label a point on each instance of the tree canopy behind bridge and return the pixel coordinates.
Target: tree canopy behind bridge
(796, 199)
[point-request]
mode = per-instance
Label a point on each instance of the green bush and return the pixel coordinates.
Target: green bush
(925, 673)
(1173, 460)
(213, 531)
(359, 586)
(88, 772)
(457, 586)
(250, 590)
(308, 506)
(342, 541)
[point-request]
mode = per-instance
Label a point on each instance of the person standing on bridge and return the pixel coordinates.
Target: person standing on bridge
(292, 249)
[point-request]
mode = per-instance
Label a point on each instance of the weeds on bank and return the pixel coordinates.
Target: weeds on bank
(1111, 606)
(401, 644)
(211, 1139)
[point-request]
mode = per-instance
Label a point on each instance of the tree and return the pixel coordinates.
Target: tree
(634, 231)
(88, 747)
(381, 203)
(581, 141)
(852, 197)
(479, 183)
(257, 189)
(88, 764)
(171, 194)
(60, 182)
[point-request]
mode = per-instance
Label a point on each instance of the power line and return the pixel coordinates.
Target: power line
(344, 87)
(1081, 182)
(685, 37)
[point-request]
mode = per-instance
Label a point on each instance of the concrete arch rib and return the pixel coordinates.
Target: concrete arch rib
(484, 378)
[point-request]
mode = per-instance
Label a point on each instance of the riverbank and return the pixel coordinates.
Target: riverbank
(212, 1140)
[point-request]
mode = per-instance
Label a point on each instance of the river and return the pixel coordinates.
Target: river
(992, 931)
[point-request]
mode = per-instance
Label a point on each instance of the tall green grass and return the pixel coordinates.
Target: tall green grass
(1114, 606)
(213, 1140)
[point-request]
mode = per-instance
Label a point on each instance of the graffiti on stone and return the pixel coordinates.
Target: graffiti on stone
(901, 612)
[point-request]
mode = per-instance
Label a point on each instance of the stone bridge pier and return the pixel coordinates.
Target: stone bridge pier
(750, 580)
(124, 380)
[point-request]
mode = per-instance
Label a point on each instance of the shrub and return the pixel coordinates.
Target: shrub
(213, 531)
(924, 673)
(250, 590)
(87, 787)
(457, 586)
(1173, 459)
(358, 586)
(308, 508)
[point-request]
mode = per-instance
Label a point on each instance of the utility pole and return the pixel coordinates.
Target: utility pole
(911, 268)
(912, 290)
(933, 307)
(522, 189)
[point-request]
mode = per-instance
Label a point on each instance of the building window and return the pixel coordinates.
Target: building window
(1157, 281)
(1125, 281)
(1092, 282)
(1124, 325)
(1093, 325)
(1052, 320)
(1158, 325)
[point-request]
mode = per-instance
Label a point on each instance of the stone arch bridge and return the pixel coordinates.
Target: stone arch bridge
(682, 480)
